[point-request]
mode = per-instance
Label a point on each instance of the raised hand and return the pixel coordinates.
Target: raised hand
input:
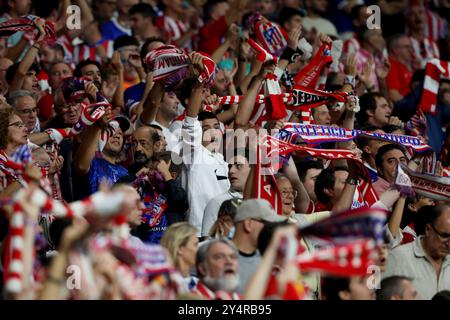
(56, 164)
(40, 23)
(365, 76)
(91, 91)
(350, 65)
(382, 70)
(116, 62)
(396, 122)
(294, 37)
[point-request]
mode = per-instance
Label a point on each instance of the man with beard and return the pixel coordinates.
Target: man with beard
(218, 270)
(147, 140)
(92, 169)
(158, 183)
(89, 69)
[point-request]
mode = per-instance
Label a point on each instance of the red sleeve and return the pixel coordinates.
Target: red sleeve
(393, 79)
(45, 106)
(211, 34)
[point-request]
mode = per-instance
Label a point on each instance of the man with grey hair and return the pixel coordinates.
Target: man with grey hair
(218, 270)
(24, 102)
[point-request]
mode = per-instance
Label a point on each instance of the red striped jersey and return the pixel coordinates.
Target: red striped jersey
(173, 29)
(435, 27)
(80, 52)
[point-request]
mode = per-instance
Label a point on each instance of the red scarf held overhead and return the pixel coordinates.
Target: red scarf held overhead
(434, 69)
(275, 148)
(26, 24)
(275, 108)
(309, 76)
(304, 98)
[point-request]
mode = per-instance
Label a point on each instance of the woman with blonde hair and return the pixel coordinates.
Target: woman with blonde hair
(180, 239)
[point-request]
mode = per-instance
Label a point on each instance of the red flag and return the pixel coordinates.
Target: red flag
(266, 186)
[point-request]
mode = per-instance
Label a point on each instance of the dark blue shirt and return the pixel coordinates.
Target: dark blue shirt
(111, 30)
(101, 169)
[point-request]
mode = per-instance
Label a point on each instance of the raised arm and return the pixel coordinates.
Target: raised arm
(195, 101)
(29, 58)
(152, 102)
(302, 200)
(86, 151)
(117, 101)
(396, 217)
(247, 104)
(236, 10)
(346, 199)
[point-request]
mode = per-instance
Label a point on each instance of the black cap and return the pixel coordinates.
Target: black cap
(288, 12)
(124, 123)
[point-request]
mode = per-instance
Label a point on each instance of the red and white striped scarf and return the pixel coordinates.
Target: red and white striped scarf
(425, 50)
(433, 71)
(99, 204)
(313, 75)
(27, 25)
(203, 291)
(434, 26)
(265, 184)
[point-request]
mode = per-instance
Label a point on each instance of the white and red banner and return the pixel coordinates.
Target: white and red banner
(316, 134)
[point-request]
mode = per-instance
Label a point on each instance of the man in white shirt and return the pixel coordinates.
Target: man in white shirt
(205, 172)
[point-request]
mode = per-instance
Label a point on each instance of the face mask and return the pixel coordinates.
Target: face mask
(231, 233)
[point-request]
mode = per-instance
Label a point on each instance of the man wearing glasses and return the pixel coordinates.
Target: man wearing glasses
(24, 103)
(427, 259)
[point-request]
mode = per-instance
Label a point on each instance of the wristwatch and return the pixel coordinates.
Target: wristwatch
(350, 80)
